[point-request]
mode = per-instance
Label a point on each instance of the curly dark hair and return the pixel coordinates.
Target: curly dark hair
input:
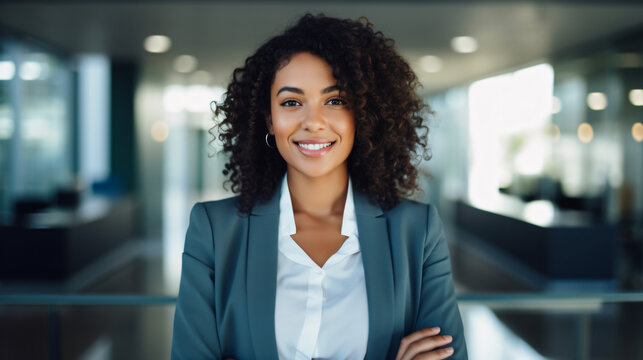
(379, 86)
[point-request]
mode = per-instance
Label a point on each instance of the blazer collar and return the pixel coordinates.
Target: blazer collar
(262, 274)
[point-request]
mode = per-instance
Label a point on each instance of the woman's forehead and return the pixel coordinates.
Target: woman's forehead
(305, 71)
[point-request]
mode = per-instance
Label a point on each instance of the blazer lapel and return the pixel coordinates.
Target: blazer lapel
(378, 273)
(262, 276)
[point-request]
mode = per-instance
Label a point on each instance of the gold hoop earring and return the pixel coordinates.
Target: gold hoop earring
(267, 143)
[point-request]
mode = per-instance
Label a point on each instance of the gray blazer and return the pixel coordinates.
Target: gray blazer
(226, 302)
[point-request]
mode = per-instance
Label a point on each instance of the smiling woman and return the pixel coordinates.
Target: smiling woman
(375, 81)
(319, 256)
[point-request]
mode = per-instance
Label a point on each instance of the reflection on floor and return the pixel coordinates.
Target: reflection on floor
(488, 338)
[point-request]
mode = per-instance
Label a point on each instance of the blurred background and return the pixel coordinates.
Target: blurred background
(537, 168)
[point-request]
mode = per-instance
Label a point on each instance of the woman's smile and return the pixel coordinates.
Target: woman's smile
(314, 148)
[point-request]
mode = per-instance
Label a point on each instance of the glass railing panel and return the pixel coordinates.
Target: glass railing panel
(497, 326)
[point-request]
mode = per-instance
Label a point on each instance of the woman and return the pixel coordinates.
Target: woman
(319, 256)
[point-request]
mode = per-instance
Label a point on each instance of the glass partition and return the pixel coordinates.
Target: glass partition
(36, 155)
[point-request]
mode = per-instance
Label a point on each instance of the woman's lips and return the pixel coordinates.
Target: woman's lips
(314, 149)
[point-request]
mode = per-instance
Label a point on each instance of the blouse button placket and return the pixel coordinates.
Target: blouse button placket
(312, 321)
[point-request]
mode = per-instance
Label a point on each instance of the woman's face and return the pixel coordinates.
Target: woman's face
(313, 125)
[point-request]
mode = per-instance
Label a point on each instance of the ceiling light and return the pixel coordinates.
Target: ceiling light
(185, 63)
(7, 70)
(464, 44)
(431, 64)
(157, 44)
(637, 132)
(636, 97)
(585, 133)
(597, 101)
(160, 131)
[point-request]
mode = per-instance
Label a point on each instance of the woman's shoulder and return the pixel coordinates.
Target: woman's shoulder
(413, 208)
(221, 210)
(225, 208)
(412, 215)
(221, 204)
(221, 218)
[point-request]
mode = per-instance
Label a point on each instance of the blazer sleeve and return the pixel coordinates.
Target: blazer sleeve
(195, 332)
(438, 305)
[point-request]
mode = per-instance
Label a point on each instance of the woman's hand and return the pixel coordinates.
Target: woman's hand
(423, 344)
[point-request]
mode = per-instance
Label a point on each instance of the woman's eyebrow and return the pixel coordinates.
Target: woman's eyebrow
(291, 89)
(301, 92)
(330, 89)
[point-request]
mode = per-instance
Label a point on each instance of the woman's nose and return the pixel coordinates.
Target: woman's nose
(314, 119)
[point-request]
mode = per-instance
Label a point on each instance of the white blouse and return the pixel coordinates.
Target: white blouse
(320, 313)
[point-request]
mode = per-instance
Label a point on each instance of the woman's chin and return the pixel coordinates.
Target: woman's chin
(314, 172)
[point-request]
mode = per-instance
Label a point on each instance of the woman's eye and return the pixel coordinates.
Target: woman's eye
(336, 102)
(290, 103)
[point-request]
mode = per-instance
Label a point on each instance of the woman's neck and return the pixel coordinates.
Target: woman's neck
(321, 196)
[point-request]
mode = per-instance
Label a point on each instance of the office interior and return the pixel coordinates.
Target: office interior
(536, 135)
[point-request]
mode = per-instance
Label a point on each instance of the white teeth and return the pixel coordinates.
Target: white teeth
(313, 146)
